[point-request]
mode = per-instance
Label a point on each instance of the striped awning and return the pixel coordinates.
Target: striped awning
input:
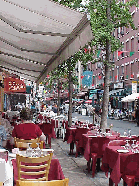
(37, 36)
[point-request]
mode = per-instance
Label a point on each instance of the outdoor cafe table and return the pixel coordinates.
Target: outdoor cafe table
(55, 171)
(70, 136)
(48, 130)
(95, 144)
(6, 168)
(114, 160)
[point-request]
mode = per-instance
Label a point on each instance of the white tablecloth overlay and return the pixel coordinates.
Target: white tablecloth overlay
(6, 172)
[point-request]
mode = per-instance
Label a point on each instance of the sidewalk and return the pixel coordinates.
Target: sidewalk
(75, 168)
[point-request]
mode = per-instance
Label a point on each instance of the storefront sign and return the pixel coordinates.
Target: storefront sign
(118, 85)
(14, 85)
(87, 78)
(134, 87)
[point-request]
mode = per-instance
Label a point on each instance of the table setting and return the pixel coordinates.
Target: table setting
(55, 171)
(6, 168)
(115, 157)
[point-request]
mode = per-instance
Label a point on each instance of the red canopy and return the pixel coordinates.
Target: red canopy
(89, 101)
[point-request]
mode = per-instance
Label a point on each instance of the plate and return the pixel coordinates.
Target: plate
(3, 150)
(122, 150)
(47, 150)
(12, 155)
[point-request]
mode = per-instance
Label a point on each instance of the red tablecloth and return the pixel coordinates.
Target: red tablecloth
(55, 171)
(70, 135)
(48, 128)
(65, 123)
(116, 161)
(95, 144)
(53, 123)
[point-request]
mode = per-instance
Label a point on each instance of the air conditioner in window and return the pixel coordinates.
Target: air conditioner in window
(99, 65)
(122, 32)
(121, 77)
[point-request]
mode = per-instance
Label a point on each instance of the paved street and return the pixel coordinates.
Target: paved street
(75, 168)
(118, 125)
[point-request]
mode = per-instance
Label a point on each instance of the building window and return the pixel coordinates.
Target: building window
(122, 31)
(113, 75)
(126, 75)
(127, 48)
(132, 45)
(127, 30)
(117, 74)
(113, 56)
(122, 70)
(131, 71)
(118, 32)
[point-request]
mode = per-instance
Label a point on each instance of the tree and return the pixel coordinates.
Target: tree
(66, 70)
(105, 17)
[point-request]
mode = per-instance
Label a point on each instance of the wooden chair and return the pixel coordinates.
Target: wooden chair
(23, 144)
(33, 168)
(63, 182)
(26, 141)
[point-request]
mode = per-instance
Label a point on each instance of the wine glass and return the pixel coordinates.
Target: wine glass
(127, 145)
(129, 132)
(133, 146)
(38, 150)
(29, 150)
(125, 133)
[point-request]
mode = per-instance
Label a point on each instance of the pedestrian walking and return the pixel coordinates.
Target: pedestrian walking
(137, 116)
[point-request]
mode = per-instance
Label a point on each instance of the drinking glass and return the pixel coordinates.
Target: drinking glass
(29, 150)
(133, 146)
(38, 151)
(127, 145)
(125, 133)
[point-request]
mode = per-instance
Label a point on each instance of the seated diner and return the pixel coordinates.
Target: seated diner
(27, 129)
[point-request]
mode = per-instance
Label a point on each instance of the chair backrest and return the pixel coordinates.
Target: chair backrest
(63, 182)
(117, 143)
(23, 144)
(27, 141)
(32, 168)
(79, 132)
(98, 145)
(47, 128)
(78, 135)
(131, 165)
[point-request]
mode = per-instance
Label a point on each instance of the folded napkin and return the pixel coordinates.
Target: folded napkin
(15, 150)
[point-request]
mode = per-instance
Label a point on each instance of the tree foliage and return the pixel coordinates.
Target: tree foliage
(61, 73)
(105, 16)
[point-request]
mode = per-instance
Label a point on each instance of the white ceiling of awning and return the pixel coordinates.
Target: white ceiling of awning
(36, 36)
